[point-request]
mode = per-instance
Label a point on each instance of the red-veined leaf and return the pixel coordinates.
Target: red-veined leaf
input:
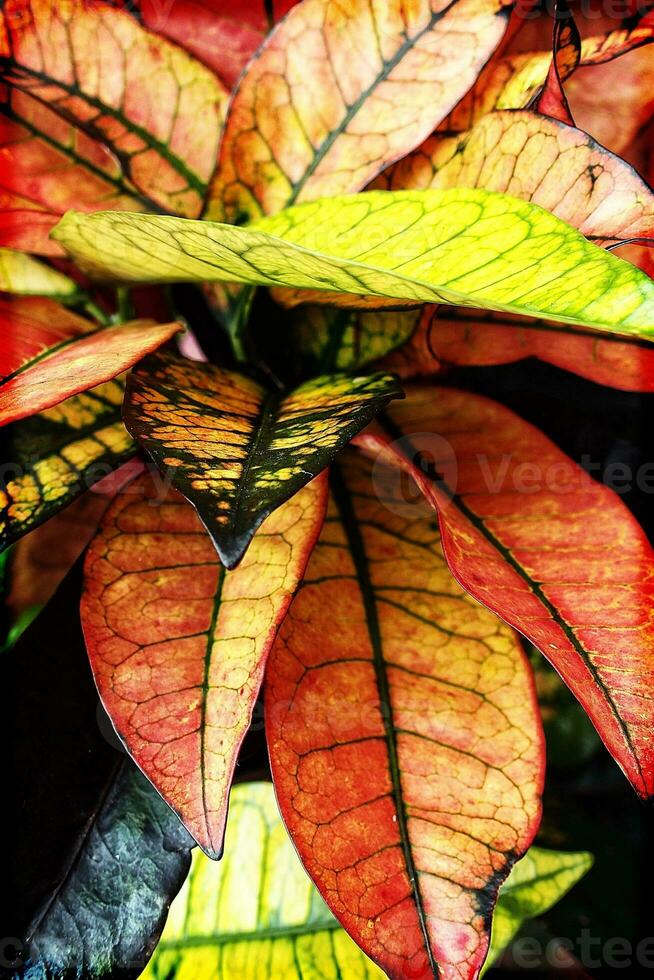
(338, 92)
(540, 160)
(105, 110)
(405, 745)
(236, 450)
(221, 34)
(178, 645)
(554, 553)
(72, 364)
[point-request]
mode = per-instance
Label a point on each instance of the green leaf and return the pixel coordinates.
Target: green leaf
(58, 454)
(236, 450)
(256, 912)
(22, 274)
(461, 247)
(535, 884)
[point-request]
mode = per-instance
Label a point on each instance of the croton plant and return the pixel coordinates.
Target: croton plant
(243, 244)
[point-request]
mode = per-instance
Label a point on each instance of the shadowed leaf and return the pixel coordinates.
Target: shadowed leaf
(447, 336)
(406, 747)
(236, 450)
(534, 537)
(339, 91)
(58, 454)
(223, 35)
(462, 247)
(178, 645)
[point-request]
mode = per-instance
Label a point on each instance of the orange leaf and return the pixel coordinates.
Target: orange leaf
(76, 363)
(405, 745)
(540, 160)
(460, 337)
(337, 92)
(555, 554)
(178, 645)
(455, 336)
(103, 79)
(510, 82)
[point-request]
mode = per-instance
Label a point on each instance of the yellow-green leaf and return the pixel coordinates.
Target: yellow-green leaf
(461, 247)
(22, 274)
(254, 915)
(535, 884)
(236, 450)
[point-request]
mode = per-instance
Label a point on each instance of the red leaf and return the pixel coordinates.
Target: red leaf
(555, 554)
(221, 34)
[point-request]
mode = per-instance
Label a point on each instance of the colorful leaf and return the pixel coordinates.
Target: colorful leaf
(74, 364)
(96, 856)
(512, 82)
(223, 36)
(154, 108)
(557, 555)
(536, 883)
(26, 276)
(462, 247)
(539, 160)
(277, 926)
(460, 337)
(405, 747)
(236, 450)
(338, 92)
(57, 455)
(178, 645)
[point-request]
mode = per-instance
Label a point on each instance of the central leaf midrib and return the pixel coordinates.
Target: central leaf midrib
(262, 438)
(408, 448)
(358, 104)
(357, 550)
